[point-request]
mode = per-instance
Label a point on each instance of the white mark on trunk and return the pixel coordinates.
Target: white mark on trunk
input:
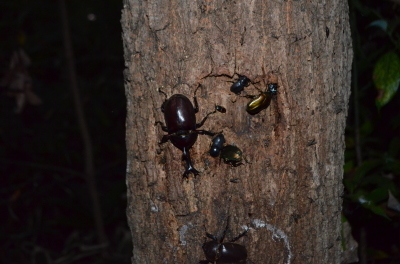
(154, 207)
(182, 231)
(128, 166)
(276, 234)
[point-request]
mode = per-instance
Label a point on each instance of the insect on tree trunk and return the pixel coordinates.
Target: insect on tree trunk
(288, 192)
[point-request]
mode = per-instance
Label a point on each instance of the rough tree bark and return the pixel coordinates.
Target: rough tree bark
(288, 195)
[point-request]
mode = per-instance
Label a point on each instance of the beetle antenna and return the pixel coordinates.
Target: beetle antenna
(211, 236)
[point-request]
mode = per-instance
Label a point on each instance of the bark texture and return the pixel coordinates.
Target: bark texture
(288, 195)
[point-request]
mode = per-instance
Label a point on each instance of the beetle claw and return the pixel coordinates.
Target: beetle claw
(190, 170)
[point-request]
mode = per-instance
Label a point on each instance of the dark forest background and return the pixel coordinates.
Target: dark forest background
(47, 211)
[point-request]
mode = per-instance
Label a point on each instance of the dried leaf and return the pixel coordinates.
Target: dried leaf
(19, 82)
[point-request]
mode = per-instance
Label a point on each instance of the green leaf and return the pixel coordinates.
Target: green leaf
(369, 200)
(378, 210)
(386, 78)
(363, 170)
(367, 127)
(377, 195)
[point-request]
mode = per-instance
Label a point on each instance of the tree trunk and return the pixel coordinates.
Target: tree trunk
(288, 193)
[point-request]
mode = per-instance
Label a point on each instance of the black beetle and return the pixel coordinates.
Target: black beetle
(232, 155)
(261, 101)
(217, 144)
(180, 119)
(220, 109)
(218, 252)
(239, 85)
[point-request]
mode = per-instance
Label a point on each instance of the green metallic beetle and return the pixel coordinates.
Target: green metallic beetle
(232, 155)
(261, 101)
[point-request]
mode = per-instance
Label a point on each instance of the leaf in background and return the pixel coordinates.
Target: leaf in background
(377, 195)
(395, 167)
(378, 210)
(378, 254)
(386, 78)
(394, 147)
(393, 203)
(367, 128)
(368, 201)
(382, 24)
(348, 166)
(363, 170)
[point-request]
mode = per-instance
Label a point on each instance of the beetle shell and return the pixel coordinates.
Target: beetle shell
(218, 252)
(238, 86)
(180, 118)
(220, 109)
(217, 144)
(231, 155)
(232, 253)
(225, 252)
(211, 250)
(261, 102)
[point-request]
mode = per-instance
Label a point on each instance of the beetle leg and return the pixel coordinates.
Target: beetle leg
(237, 164)
(250, 96)
(204, 119)
(163, 127)
(205, 132)
(162, 106)
(239, 236)
(189, 165)
(196, 104)
(247, 160)
(164, 139)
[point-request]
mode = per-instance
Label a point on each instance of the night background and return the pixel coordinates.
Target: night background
(46, 199)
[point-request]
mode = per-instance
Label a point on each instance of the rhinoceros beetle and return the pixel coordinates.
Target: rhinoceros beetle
(261, 101)
(217, 251)
(180, 119)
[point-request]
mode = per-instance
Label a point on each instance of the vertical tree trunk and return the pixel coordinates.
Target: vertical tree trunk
(288, 193)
